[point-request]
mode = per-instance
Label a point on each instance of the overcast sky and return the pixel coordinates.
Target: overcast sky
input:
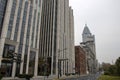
(103, 20)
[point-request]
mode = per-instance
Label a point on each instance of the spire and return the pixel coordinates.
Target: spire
(85, 24)
(86, 30)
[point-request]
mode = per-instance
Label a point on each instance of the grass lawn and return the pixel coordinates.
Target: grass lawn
(106, 77)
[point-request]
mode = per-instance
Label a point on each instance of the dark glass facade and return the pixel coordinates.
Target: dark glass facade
(22, 35)
(9, 31)
(18, 20)
(29, 26)
(33, 28)
(22, 16)
(3, 4)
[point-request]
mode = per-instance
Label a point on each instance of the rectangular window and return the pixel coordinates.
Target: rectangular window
(7, 50)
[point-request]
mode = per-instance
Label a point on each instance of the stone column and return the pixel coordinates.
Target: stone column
(14, 63)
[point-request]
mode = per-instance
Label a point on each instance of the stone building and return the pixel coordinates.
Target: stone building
(88, 45)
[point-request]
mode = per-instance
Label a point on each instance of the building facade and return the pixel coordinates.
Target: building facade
(19, 33)
(57, 36)
(88, 45)
(41, 32)
(80, 61)
(65, 40)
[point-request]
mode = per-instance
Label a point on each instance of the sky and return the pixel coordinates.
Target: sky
(103, 20)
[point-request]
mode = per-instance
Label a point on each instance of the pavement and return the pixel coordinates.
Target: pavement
(71, 77)
(83, 77)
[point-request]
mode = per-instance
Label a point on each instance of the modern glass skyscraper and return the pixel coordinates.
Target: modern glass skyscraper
(3, 4)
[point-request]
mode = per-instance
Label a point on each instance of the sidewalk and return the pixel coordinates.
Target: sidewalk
(71, 76)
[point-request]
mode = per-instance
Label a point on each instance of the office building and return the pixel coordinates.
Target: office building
(57, 37)
(19, 34)
(40, 33)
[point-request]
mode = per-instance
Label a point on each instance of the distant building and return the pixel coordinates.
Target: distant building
(80, 61)
(89, 46)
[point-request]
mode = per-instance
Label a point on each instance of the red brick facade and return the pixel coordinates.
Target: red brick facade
(80, 60)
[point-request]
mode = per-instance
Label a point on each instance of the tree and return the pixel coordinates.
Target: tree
(117, 63)
(105, 66)
(112, 70)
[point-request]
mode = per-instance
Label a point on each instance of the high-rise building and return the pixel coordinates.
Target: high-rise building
(40, 33)
(57, 37)
(89, 46)
(19, 34)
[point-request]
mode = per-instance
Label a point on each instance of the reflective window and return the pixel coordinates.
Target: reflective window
(11, 19)
(18, 20)
(3, 4)
(29, 26)
(33, 28)
(8, 48)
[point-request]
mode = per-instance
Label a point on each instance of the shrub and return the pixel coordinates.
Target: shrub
(27, 76)
(1, 76)
(67, 74)
(106, 73)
